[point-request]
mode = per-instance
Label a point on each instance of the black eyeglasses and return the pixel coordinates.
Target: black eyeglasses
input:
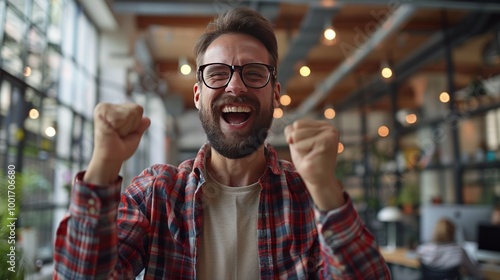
(253, 75)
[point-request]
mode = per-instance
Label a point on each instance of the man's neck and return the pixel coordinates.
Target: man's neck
(237, 172)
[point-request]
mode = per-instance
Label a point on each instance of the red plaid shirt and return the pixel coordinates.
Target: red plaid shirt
(158, 222)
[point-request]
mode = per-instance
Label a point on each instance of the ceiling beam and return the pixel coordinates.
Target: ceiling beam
(391, 25)
(170, 8)
(269, 9)
(100, 13)
(431, 50)
(307, 37)
(144, 22)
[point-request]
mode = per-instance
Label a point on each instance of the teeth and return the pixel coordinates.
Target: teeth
(236, 109)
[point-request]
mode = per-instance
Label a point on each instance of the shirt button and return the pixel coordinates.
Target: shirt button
(328, 233)
(91, 201)
(92, 211)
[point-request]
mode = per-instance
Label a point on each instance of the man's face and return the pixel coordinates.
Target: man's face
(236, 118)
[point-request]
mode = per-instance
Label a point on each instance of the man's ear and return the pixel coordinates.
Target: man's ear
(276, 95)
(196, 97)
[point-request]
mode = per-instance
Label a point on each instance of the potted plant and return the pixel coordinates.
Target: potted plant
(409, 197)
(17, 267)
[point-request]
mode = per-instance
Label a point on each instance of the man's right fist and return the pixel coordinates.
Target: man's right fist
(118, 129)
(122, 119)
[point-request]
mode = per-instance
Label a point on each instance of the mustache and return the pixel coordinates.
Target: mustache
(225, 99)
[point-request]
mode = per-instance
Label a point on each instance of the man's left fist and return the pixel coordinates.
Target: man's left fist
(314, 148)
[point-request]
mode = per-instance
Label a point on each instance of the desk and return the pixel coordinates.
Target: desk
(402, 257)
(490, 272)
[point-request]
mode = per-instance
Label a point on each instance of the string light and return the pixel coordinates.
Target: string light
(340, 148)
(444, 97)
(411, 118)
(329, 113)
(184, 66)
(386, 72)
(383, 131)
(27, 71)
(185, 69)
(285, 100)
(304, 71)
(329, 34)
(50, 131)
(34, 114)
(385, 69)
(278, 113)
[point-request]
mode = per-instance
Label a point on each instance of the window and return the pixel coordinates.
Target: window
(50, 47)
(34, 67)
(12, 49)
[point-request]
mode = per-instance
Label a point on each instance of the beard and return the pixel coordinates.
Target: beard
(238, 144)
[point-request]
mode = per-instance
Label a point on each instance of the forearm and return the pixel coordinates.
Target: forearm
(101, 173)
(86, 240)
(348, 249)
(327, 196)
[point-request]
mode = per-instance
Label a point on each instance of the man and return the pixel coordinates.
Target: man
(233, 212)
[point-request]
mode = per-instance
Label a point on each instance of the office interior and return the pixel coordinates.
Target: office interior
(412, 86)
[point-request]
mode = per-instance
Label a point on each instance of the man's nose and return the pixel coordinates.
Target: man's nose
(236, 84)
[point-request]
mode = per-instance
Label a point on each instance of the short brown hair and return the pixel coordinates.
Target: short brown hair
(239, 20)
(444, 232)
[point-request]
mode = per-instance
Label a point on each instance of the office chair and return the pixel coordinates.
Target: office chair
(433, 273)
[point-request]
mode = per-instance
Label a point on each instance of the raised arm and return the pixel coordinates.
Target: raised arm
(118, 130)
(348, 248)
(86, 244)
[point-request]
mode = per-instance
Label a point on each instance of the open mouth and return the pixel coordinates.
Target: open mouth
(235, 115)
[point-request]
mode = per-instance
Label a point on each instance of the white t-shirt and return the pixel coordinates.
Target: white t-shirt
(229, 241)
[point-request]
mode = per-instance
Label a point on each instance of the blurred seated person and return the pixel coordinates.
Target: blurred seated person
(444, 252)
(495, 215)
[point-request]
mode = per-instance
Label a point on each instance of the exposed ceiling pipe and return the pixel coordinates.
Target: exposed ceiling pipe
(161, 7)
(164, 9)
(392, 24)
(101, 14)
(268, 10)
(310, 31)
(491, 51)
(431, 50)
(168, 8)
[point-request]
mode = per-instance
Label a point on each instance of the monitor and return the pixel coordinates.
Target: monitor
(488, 242)
(465, 217)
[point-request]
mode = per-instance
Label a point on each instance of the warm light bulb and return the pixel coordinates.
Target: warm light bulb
(411, 118)
(305, 71)
(386, 72)
(340, 148)
(285, 100)
(329, 113)
(278, 113)
(34, 114)
(383, 131)
(185, 69)
(444, 97)
(50, 131)
(27, 71)
(329, 34)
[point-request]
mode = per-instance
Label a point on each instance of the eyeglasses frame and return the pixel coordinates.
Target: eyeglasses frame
(233, 68)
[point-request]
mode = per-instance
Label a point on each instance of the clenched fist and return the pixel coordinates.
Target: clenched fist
(313, 148)
(118, 128)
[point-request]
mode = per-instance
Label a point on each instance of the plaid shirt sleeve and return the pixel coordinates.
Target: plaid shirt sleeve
(86, 242)
(348, 248)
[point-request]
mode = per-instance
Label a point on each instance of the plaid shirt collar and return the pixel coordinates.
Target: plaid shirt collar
(272, 163)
